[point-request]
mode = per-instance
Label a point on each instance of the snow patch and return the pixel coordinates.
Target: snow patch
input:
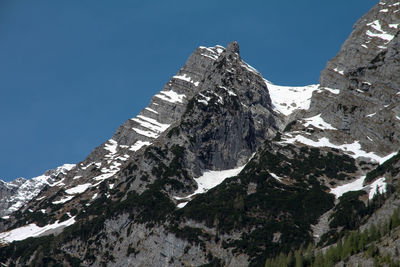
(202, 101)
(287, 99)
(151, 124)
(333, 91)
(31, 188)
(151, 110)
(170, 96)
(211, 179)
(354, 149)
(186, 78)
(64, 168)
(78, 189)
(276, 177)
(353, 186)
(145, 133)
(32, 230)
(104, 176)
(250, 68)
(138, 145)
(381, 33)
(214, 51)
(124, 157)
(378, 185)
(63, 200)
(59, 183)
(338, 71)
(318, 122)
(111, 146)
(227, 90)
(181, 205)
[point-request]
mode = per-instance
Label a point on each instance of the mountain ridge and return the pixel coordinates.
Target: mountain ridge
(301, 158)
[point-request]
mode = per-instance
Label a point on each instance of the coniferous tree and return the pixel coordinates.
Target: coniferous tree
(319, 260)
(290, 259)
(299, 259)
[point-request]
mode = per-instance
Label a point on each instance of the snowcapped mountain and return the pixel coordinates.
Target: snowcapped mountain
(225, 168)
(15, 194)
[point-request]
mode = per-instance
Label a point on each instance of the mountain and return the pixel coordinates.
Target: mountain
(15, 194)
(224, 168)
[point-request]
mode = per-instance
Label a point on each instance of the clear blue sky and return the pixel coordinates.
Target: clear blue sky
(72, 71)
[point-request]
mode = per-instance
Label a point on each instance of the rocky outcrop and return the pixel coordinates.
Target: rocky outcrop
(17, 193)
(142, 198)
(360, 88)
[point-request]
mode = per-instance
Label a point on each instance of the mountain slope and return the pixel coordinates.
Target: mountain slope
(225, 168)
(15, 194)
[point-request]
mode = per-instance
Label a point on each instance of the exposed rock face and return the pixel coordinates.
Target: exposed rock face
(15, 194)
(165, 109)
(141, 198)
(212, 115)
(230, 116)
(364, 101)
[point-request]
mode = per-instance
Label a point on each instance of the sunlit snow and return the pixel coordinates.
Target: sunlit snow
(276, 176)
(250, 68)
(104, 176)
(111, 146)
(333, 91)
(353, 186)
(286, 99)
(78, 189)
(378, 185)
(150, 124)
(151, 110)
(381, 33)
(354, 149)
(371, 115)
(146, 133)
(338, 71)
(318, 122)
(32, 230)
(31, 188)
(138, 145)
(186, 78)
(211, 179)
(63, 200)
(170, 96)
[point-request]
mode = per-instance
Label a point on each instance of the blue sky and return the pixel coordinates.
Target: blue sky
(72, 71)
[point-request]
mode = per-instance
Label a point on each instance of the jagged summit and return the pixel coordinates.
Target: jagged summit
(233, 47)
(17, 193)
(225, 168)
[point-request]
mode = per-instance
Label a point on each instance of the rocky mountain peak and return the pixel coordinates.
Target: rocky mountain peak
(233, 47)
(223, 164)
(15, 194)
